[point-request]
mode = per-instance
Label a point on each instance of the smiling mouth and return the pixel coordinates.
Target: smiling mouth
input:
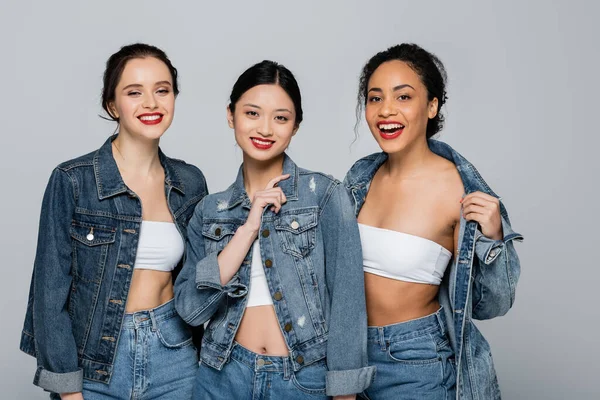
(390, 130)
(151, 119)
(262, 144)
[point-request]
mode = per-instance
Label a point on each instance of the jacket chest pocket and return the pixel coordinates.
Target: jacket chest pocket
(217, 235)
(90, 250)
(298, 230)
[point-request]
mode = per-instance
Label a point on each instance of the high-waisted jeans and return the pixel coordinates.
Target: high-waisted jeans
(414, 360)
(155, 359)
(251, 376)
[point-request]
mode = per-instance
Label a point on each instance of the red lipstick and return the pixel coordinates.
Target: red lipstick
(150, 118)
(262, 144)
(390, 129)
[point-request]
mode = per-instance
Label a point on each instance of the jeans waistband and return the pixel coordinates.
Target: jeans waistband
(149, 318)
(260, 362)
(407, 329)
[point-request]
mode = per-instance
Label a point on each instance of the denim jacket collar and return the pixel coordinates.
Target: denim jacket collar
(109, 180)
(288, 186)
(471, 179)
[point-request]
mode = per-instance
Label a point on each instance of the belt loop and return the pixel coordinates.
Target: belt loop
(286, 368)
(440, 320)
(381, 338)
(153, 319)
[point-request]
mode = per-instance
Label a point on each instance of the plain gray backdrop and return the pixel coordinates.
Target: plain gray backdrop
(523, 102)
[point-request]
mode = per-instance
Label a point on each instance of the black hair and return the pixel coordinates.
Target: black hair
(429, 68)
(116, 64)
(268, 72)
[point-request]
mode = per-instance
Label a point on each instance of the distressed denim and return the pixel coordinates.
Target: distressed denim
(251, 376)
(157, 359)
(87, 243)
(312, 259)
(480, 282)
(414, 360)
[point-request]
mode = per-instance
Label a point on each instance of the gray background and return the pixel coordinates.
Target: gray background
(523, 106)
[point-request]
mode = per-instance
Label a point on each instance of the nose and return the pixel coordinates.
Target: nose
(149, 101)
(387, 108)
(264, 129)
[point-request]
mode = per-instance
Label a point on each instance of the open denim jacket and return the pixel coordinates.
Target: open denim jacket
(87, 243)
(479, 284)
(312, 258)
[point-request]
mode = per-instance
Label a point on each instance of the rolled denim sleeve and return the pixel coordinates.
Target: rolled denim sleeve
(198, 289)
(347, 359)
(55, 348)
(496, 273)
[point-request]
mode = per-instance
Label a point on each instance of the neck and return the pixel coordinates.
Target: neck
(133, 155)
(410, 161)
(257, 174)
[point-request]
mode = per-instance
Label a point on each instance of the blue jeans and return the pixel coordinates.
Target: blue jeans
(155, 359)
(414, 360)
(251, 376)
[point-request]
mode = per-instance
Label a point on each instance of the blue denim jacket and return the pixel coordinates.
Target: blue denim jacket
(87, 243)
(479, 284)
(313, 265)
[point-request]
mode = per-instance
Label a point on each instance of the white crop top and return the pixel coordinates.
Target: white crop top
(259, 288)
(402, 256)
(160, 247)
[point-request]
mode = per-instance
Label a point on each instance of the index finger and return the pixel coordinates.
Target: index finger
(276, 180)
(482, 196)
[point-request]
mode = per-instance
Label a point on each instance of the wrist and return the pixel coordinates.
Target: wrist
(248, 231)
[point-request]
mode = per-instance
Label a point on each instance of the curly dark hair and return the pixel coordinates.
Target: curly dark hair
(429, 68)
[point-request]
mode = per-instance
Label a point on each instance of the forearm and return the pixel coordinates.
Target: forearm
(232, 256)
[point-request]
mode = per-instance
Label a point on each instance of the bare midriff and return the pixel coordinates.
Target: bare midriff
(390, 301)
(149, 289)
(259, 332)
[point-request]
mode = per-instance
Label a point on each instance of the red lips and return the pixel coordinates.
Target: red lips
(262, 144)
(150, 118)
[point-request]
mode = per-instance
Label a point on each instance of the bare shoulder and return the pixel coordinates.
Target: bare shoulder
(449, 184)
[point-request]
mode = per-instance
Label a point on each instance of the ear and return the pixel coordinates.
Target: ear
(113, 110)
(295, 130)
(229, 117)
(433, 108)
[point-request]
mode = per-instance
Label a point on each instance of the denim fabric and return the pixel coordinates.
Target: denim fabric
(480, 282)
(87, 243)
(313, 265)
(251, 376)
(414, 360)
(157, 359)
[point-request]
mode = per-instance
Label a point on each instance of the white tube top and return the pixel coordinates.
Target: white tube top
(160, 247)
(259, 288)
(402, 256)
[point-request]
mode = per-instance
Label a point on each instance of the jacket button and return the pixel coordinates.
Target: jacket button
(300, 360)
(278, 296)
(288, 327)
(268, 263)
(295, 225)
(218, 231)
(265, 233)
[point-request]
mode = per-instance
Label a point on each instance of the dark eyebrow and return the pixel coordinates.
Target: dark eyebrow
(403, 86)
(278, 110)
(252, 105)
(137, 85)
(376, 89)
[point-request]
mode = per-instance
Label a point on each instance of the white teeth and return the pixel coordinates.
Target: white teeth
(150, 117)
(264, 143)
(390, 126)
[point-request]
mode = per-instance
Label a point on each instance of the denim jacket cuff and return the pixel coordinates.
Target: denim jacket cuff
(350, 381)
(208, 276)
(66, 382)
(488, 250)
